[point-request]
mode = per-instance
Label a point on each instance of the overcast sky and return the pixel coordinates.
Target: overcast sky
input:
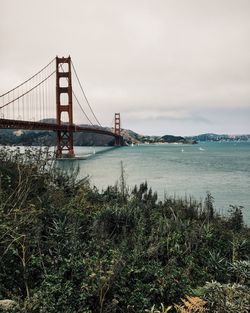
(168, 66)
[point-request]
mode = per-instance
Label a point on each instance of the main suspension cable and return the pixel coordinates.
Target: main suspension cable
(85, 95)
(25, 93)
(28, 79)
(81, 107)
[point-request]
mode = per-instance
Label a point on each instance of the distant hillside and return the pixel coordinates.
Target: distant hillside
(216, 137)
(177, 139)
(132, 137)
(27, 137)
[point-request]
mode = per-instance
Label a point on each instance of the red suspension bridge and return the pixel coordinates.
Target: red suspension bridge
(33, 103)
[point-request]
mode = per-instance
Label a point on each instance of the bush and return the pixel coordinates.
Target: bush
(67, 247)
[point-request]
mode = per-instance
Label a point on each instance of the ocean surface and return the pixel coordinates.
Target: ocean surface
(222, 168)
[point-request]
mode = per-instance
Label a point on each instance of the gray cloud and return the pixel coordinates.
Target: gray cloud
(179, 63)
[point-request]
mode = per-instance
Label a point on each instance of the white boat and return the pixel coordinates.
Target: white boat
(201, 149)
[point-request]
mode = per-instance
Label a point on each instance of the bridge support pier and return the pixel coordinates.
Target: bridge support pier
(64, 138)
(118, 129)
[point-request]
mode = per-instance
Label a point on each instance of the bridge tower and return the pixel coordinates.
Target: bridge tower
(64, 138)
(117, 129)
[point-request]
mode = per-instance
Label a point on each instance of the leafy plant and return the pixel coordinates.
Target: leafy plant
(162, 309)
(228, 298)
(191, 305)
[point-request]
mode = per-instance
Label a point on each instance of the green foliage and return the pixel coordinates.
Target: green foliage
(228, 298)
(236, 218)
(67, 247)
(240, 271)
(162, 309)
(208, 206)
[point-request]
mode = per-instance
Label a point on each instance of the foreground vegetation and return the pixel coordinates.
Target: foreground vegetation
(67, 247)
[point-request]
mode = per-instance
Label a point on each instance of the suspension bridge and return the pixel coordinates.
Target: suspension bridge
(45, 102)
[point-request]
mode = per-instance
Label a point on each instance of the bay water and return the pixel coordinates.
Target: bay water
(221, 168)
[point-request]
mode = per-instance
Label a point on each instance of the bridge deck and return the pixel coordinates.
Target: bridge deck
(16, 124)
